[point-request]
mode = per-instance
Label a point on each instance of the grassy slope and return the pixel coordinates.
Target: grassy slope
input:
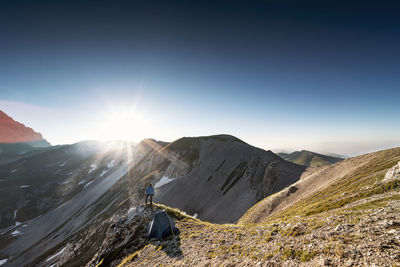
(308, 158)
(304, 233)
(360, 183)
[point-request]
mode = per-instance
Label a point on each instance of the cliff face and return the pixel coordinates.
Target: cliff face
(12, 131)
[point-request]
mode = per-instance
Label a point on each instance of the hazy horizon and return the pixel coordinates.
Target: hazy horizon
(278, 75)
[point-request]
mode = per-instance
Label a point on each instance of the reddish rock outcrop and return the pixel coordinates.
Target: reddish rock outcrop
(12, 131)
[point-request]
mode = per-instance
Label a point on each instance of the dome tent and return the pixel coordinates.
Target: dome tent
(161, 225)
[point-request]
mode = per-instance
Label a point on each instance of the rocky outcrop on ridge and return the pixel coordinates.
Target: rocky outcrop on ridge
(12, 131)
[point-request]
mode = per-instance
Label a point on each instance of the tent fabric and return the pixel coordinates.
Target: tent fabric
(161, 226)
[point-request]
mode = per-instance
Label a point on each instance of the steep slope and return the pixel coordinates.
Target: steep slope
(319, 182)
(66, 198)
(49, 197)
(12, 131)
(70, 194)
(10, 152)
(216, 177)
(308, 158)
(350, 221)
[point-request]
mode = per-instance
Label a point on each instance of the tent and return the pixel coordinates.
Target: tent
(161, 226)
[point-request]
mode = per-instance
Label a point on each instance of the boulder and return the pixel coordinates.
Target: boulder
(393, 173)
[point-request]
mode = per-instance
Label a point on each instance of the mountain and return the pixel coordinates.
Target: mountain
(18, 141)
(205, 175)
(308, 158)
(65, 198)
(82, 205)
(12, 131)
(49, 197)
(345, 214)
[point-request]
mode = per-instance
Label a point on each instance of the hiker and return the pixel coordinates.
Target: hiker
(150, 193)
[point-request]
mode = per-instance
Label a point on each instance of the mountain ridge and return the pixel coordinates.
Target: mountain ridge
(355, 224)
(309, 158)
(15, 132)
(283, 212)
(210, 167)
(62, 192)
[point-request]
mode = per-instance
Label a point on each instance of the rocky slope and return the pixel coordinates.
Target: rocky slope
(341, 214)
(69, 194)
(308, 158)
(12, 131)
(216, 177)
(49, 197)
(350, 221)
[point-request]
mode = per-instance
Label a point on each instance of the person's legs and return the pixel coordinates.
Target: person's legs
(146, 198)
(151, 200)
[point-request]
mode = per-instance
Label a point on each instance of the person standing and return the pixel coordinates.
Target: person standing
(150, 193)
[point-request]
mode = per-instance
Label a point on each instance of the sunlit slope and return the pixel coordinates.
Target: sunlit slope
(349, 219)
(342, 214)
(329, 188)
(308, 158)
(48, 197)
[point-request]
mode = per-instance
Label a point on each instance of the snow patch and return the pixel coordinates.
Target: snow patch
(195, 215)
(63, 204)
(16, 233)
(103, 172)
(92, 167)
(57, 254)
(111, 164)
(163, 181)
(17, 223)
(62, 164)
(81, 182)
(88, 184)
(12, 171)
(3, 261)
(24, 186)
(15, 214)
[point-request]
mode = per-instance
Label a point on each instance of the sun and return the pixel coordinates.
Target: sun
(124, 124)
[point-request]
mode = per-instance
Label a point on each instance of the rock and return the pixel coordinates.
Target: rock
(325, 262)
(339, 227)
(393, 173)
(12, 131)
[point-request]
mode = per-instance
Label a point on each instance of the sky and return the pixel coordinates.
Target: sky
(280, 75)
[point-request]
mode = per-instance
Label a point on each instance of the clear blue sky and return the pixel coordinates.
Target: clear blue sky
(321, 75)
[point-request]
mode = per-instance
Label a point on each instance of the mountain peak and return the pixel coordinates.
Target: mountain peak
(12, 131)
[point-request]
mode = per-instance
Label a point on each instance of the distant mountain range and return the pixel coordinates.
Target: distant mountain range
(308, 158)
